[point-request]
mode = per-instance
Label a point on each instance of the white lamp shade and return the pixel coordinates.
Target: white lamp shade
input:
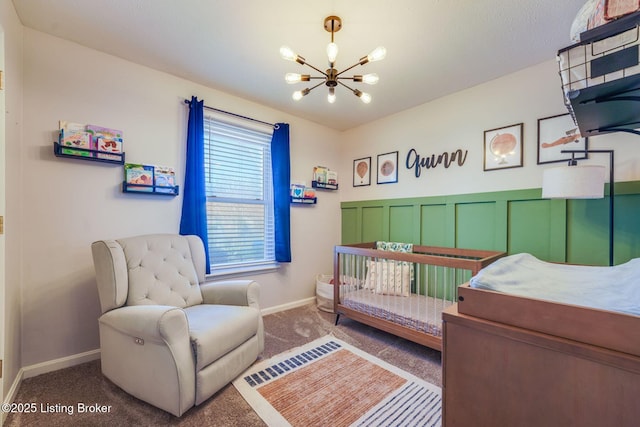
(573, 182)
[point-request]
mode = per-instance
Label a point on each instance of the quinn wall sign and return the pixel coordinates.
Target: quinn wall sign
(417, 163)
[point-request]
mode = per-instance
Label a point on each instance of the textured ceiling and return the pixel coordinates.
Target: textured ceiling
(434, 47)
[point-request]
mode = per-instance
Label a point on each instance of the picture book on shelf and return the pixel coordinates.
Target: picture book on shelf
(320, 174)
(164, 177)
(332, 177)
(75, 135)
(104, 132)
(109, 149)
(71, 127)
(109, 145)
(139, 174)
(106, 139)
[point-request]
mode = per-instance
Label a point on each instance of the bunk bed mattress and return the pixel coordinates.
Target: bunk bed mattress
(418, 312)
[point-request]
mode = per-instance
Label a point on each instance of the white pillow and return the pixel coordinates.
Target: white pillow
(389, 278)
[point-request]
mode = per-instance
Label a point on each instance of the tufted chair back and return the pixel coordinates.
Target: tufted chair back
(156, 269)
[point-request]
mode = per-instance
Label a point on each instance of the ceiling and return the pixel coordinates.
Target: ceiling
(434, 47)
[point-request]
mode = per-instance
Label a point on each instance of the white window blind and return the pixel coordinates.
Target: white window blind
(239, 192)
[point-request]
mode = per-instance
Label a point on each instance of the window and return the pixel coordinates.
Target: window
(239, 192)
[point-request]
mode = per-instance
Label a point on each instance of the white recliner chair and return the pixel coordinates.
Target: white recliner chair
(166, 336)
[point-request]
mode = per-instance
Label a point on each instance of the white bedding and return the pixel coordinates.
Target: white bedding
(614, 288)
(418, 312)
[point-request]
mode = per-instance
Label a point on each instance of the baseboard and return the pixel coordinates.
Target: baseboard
(13, 391)
(288, 306)
(63, 362)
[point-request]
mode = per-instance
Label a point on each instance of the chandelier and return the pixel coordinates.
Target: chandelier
(332, 77)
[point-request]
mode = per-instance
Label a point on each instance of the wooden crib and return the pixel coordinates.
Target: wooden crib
(403, 293)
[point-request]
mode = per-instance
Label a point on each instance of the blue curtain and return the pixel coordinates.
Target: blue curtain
(280, 165)
(194, 199)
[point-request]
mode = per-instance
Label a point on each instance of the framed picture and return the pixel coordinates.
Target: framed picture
(388, 168)
(557, 133)
(362, 172)
(503, 147)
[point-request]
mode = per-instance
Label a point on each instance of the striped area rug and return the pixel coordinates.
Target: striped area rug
(329, 382)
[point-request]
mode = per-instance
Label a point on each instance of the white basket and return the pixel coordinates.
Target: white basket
(324, 289)
(324, 292)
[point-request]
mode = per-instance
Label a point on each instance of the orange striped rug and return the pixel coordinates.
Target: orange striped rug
(329, 382)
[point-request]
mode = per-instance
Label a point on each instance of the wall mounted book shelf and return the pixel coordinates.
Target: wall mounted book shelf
(87, 154)
(304, 200)
(161, 190)
(323, 185)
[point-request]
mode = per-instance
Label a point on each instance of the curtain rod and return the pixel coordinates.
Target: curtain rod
(274, 125)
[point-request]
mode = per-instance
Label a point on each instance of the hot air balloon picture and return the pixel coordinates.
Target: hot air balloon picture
(503, 147)
(362, 172)
(388, 168)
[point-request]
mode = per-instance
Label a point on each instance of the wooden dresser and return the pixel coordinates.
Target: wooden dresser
(495, 375)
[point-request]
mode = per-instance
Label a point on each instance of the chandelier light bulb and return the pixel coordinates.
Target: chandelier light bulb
(332, 95)
(377, 54)
(332, 52)
(364, 97)
(287, 53)
(292, 78)
(297, 95)
(370, 79)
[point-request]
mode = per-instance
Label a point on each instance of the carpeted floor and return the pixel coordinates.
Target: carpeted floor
(57, 395)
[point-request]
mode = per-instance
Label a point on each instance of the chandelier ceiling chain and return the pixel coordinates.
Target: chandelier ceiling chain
(332, 77)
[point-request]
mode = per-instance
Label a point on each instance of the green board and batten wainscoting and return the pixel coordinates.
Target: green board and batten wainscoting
(573, 231)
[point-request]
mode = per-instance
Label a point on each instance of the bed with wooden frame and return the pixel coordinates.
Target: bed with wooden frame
(517, 360)
(403, 293)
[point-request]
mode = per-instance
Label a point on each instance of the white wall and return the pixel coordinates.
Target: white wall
(9, 193)
(458, 121)
(67, 204)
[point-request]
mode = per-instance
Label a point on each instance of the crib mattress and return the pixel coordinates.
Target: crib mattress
(417, 312)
